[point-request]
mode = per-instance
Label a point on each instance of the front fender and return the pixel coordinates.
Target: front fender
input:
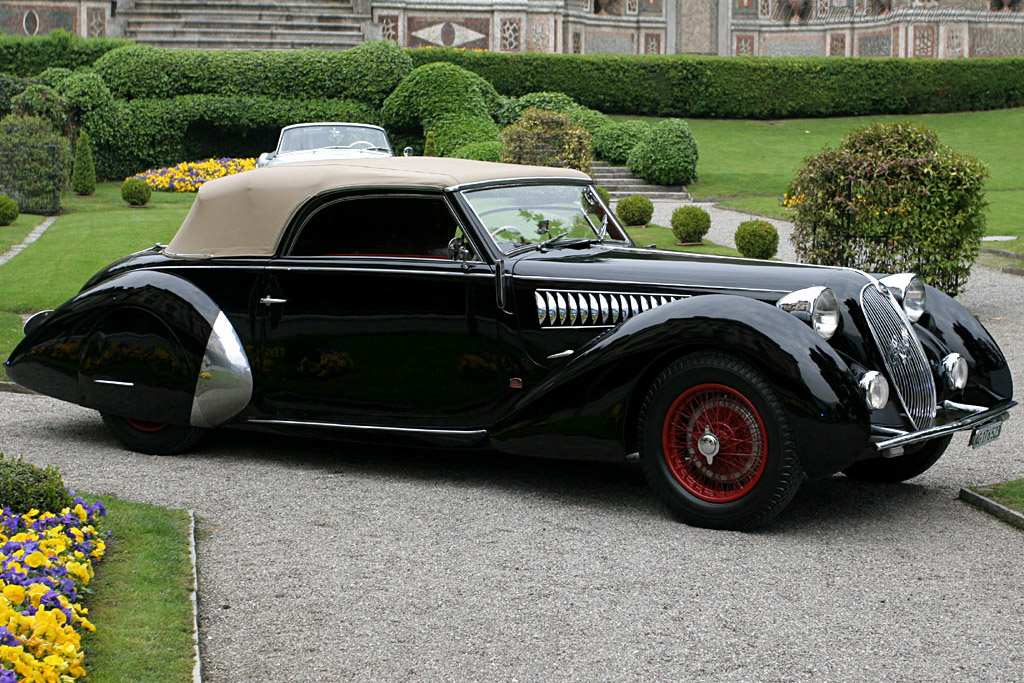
(144, 344)
(598, 391)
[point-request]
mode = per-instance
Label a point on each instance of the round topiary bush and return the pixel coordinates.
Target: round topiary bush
(480, 151)
(24, 487)
(635, 209)
(436, 89)
(667, 154)
(690, 224)
(757, 239)
(8, 210)
(136, 191)
(614, 142)
(890, 199)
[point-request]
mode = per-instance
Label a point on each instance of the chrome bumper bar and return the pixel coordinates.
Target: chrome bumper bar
(975, 415)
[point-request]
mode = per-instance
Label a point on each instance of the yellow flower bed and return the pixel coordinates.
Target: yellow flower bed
(188, 176)
(45, 561)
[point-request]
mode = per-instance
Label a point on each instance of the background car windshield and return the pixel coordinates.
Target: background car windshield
(318, 137)
(520, 215)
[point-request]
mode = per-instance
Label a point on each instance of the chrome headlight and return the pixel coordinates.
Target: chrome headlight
(954, 368)
(876, 389)
(909, 291)
(817, 306)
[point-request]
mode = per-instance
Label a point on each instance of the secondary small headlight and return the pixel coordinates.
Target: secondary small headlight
(954, 367)
(817, 305)
(909, 291)
(876, 389)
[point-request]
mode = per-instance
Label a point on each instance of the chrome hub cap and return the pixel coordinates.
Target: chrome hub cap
(708, 445)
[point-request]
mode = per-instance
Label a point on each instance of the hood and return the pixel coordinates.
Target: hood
(684, 272)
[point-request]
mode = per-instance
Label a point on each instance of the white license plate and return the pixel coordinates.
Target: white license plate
(986, 433)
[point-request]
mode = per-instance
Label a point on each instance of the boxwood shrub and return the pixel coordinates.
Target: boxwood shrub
(749, 87)
(24, 487)
(614, 142)
(368, 72)
(891, 198)
(757, 239)
(136, 191)
(130, 136)
(8, 210)
(635, 209)
(666, 155)
(690, 224)
(435, 90)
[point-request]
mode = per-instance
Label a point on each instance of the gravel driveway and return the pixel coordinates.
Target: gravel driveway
(330, 562)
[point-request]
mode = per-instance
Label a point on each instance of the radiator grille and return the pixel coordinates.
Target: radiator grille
(904, 358)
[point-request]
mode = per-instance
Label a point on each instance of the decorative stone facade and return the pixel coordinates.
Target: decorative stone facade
(858, 28)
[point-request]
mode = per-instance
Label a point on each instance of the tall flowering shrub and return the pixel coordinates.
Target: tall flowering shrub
(46, 560)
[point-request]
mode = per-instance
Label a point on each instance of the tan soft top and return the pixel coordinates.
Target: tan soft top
(245, 214)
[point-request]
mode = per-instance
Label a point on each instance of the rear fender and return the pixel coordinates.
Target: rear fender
(598, 390)
(145, 345)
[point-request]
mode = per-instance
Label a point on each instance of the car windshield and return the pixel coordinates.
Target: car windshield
(319, 137)
(527, 215)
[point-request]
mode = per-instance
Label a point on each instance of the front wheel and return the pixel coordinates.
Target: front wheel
(154, 438)
(716, 443)
(902, 467)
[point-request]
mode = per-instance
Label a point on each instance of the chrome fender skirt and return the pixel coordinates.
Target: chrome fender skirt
(224, 385)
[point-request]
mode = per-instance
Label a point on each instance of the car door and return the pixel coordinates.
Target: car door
(367, 320)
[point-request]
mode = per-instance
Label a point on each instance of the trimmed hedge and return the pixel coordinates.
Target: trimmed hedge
(29, 55)
(130, 136)
(453, 131)
(35, 163)
(432, 91)
(24, 487)
(368, 72)
(749, 87)
(481, 151)
(614, 142)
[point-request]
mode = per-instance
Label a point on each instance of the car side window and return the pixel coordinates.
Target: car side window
(419, 227)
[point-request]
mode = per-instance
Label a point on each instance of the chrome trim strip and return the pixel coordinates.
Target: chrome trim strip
(532, 180)
(579, 309)
(561, 354)
(224, 385)
(648, 283)
(114, 383)
(965, 407)
(479, 433)
(456, 273)
(969, 422)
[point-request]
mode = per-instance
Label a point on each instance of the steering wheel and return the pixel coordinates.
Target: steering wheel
(512, 229)
(362, 144)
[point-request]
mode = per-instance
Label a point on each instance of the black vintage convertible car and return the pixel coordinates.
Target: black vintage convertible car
(502, 307)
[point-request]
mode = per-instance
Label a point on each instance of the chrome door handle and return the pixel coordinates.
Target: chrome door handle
(270, 301)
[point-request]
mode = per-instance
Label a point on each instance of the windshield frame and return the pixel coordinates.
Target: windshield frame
(465, 193)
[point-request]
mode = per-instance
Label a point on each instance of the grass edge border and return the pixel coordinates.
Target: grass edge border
(197, 669)
(990, 506)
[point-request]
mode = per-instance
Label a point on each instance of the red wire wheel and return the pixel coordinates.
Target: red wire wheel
(715, 443)
(148, 427)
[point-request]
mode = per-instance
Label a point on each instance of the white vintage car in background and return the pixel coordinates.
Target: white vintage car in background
(327, 140)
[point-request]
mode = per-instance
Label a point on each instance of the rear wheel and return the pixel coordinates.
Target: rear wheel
(716, 444)
(902, 467)
(155, 438)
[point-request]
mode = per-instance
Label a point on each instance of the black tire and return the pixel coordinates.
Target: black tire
(754, 470)
(902, 467)
(153, 438)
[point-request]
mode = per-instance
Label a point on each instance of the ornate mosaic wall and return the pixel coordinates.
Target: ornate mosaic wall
(28, 18)
(991, 41)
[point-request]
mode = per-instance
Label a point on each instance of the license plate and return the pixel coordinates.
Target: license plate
(983, 434)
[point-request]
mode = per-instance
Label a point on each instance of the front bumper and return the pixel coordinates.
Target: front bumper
(960, 417)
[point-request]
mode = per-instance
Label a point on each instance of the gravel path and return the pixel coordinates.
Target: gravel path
(330, 562)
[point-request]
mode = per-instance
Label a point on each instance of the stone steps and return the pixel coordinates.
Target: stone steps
(619, 183)
(234, 24)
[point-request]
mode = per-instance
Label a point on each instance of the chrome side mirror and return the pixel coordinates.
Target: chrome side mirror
(407, 152)
(457, 250)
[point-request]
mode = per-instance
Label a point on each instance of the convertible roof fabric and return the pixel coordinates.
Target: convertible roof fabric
(246, 214)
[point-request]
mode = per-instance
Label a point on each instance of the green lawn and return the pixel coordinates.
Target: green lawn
(15, 232)
(664, 239)
(1010, 493)
(141, 606)
(753, 161)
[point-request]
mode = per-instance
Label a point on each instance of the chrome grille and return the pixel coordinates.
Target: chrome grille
(574, 308)
(904, 358)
